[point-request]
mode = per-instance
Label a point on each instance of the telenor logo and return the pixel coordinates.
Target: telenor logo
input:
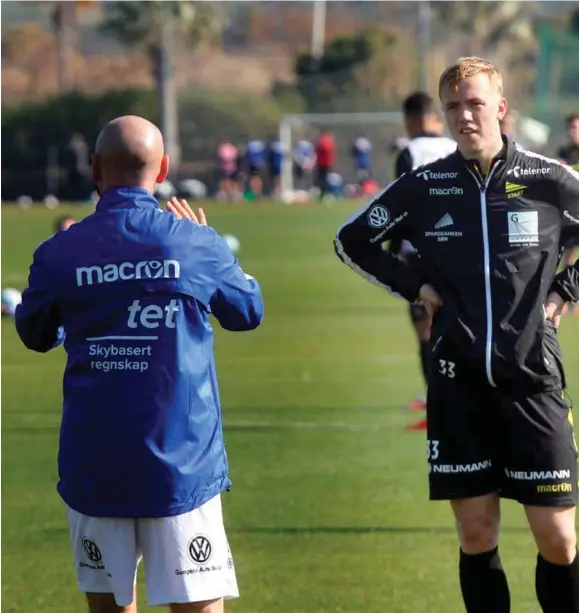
(125, 271)
(518, 172)
(429, 174)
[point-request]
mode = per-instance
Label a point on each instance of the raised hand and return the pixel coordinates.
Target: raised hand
(182, 210)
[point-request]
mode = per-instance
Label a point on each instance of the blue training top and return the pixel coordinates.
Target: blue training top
(130, 289)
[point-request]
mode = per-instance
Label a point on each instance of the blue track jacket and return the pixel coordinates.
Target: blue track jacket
(129, 290)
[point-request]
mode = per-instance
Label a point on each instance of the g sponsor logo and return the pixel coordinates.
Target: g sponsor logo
(523, 227)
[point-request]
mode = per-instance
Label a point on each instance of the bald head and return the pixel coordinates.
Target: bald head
(129, 152)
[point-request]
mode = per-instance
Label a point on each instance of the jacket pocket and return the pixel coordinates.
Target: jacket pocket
(438, 329)
(551, 353)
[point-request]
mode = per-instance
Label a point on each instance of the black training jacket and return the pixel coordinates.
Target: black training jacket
(490, 246)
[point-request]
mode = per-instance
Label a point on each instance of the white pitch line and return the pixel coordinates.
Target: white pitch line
(304, 426)
(309, 379)
(385, 358)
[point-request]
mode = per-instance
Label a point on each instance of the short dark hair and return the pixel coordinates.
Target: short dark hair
(571, 118)
(418, 104)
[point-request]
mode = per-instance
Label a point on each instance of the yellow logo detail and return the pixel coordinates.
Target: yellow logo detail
(555, 488)
(514, 189)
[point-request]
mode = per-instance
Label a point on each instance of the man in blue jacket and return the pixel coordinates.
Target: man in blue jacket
(142, 460)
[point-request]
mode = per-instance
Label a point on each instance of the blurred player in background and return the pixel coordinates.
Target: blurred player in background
(325, 161)
(228, 169)
(255, 159)
(275, 157)
(427, 143)
(362, 155)
(509, 124)
(76, 161)
(11, 297)
(569, 154)
(304, 156)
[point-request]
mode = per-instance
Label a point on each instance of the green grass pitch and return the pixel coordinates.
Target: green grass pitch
(329, 509)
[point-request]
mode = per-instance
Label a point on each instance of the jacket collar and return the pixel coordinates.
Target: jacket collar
(126, 197)
(506, 154)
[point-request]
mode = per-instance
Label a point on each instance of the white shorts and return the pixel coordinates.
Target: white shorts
(187, 557)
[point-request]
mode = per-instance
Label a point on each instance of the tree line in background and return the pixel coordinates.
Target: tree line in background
(359, 71)
(37, 135)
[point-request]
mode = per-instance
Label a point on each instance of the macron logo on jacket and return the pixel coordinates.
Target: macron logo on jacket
(125, 271)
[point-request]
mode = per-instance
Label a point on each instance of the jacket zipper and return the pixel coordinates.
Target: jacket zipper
(487, 271)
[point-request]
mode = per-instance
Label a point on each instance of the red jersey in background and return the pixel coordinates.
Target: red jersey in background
(326, 151)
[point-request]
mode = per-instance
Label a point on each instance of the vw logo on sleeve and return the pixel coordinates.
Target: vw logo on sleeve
(378, 216)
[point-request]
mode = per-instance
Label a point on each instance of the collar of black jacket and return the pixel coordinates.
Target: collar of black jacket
(506, 154)
(126, 197)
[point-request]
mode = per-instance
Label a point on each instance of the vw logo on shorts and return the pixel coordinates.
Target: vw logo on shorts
(378, 216)
(93, 553)
(200, 549)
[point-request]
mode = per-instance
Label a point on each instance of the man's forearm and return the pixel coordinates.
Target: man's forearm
(381, 268)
